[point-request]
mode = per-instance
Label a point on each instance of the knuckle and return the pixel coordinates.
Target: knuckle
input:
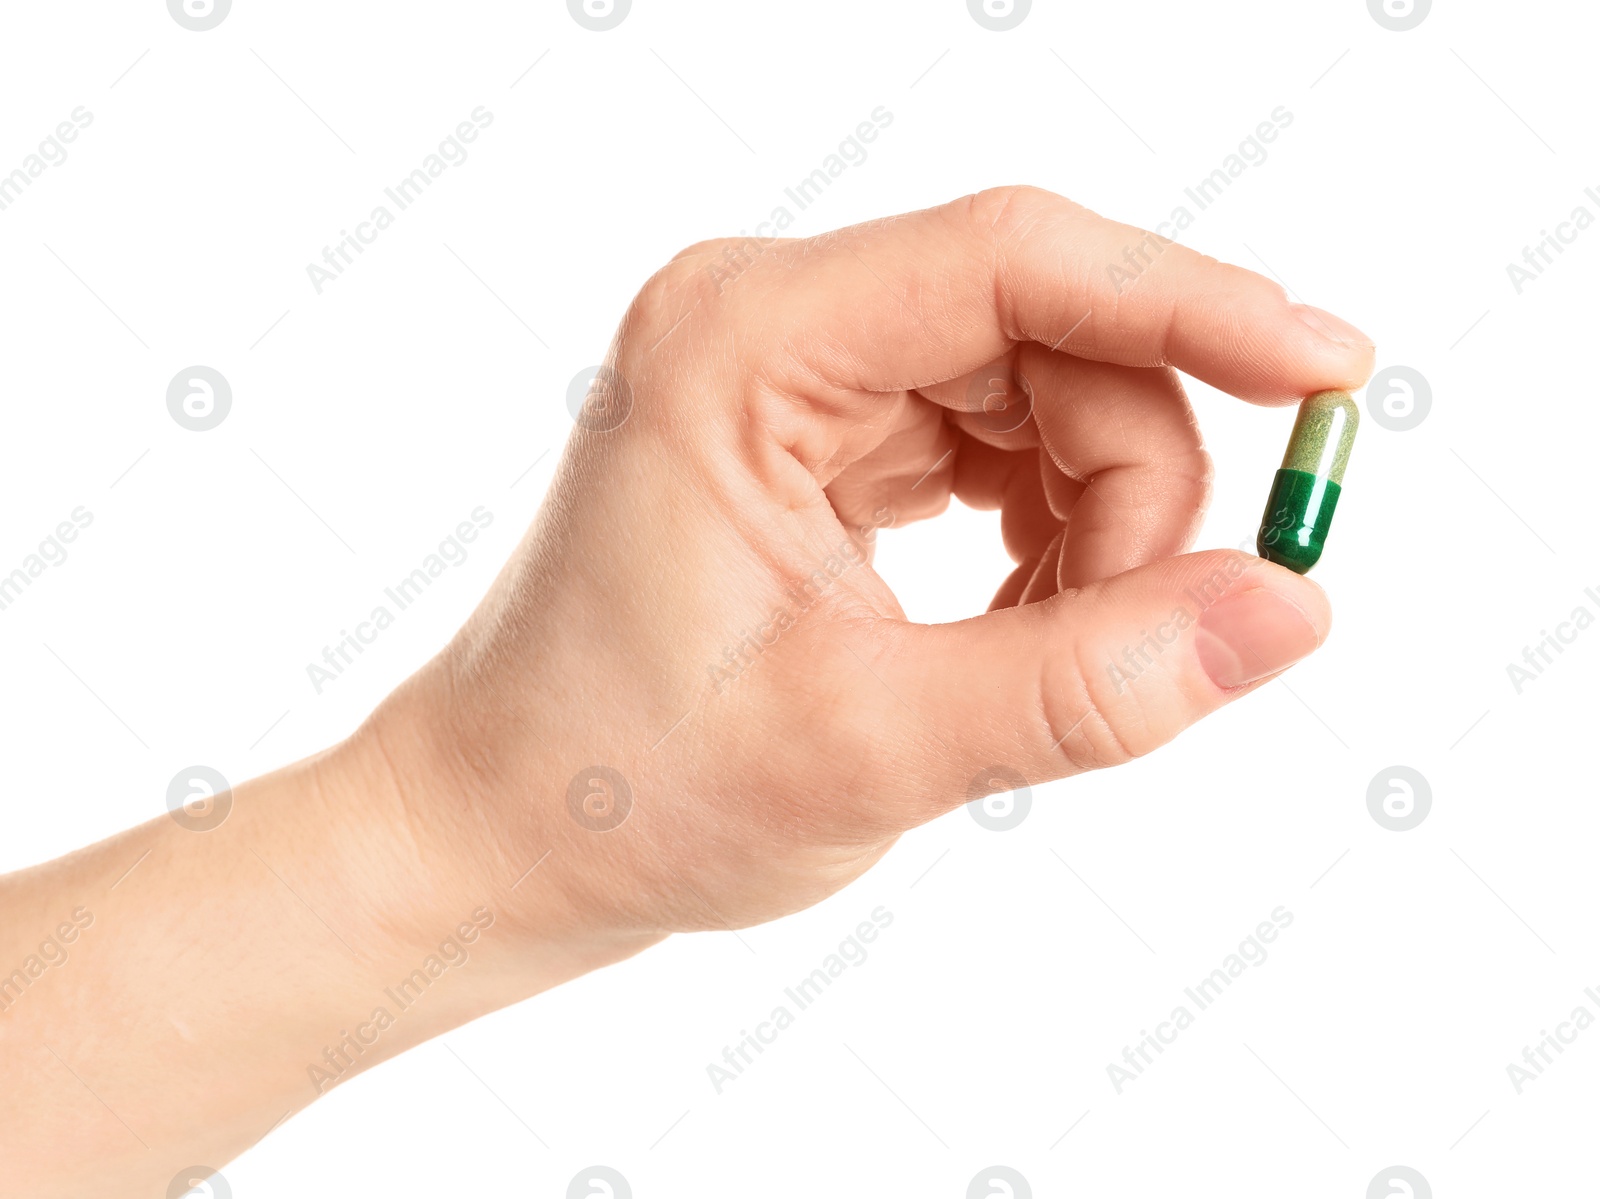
(678, 288)
(1197, 473)
(1187, 479)
(1092, 723)
(710, 245)
(692, 291)
(1002, 209)
(694, 274)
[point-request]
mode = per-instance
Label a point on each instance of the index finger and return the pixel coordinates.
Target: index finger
(920, 299)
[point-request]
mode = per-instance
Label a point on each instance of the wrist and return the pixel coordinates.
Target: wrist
(449, 856)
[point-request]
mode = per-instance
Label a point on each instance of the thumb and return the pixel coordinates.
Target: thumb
(1094, 677)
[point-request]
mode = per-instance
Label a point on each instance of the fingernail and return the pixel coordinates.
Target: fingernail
(1341, 332)
(1248, 636)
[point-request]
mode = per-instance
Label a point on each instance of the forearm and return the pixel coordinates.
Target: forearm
(170, 995)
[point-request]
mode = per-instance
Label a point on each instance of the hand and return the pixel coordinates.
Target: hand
(688, 702)
(688, 695)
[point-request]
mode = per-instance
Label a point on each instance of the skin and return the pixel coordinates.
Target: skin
(779, 420)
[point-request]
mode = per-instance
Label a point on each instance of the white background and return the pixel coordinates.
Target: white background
(431, 378)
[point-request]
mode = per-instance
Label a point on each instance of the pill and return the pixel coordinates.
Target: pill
(1306, 488)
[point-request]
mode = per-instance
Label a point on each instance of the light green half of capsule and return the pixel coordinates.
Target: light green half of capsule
(1306, 488)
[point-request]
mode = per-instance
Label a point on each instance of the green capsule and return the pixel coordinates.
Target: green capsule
(1306, 489)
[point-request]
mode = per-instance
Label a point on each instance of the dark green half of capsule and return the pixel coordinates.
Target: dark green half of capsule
(1295, 524)
(1306, 489)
